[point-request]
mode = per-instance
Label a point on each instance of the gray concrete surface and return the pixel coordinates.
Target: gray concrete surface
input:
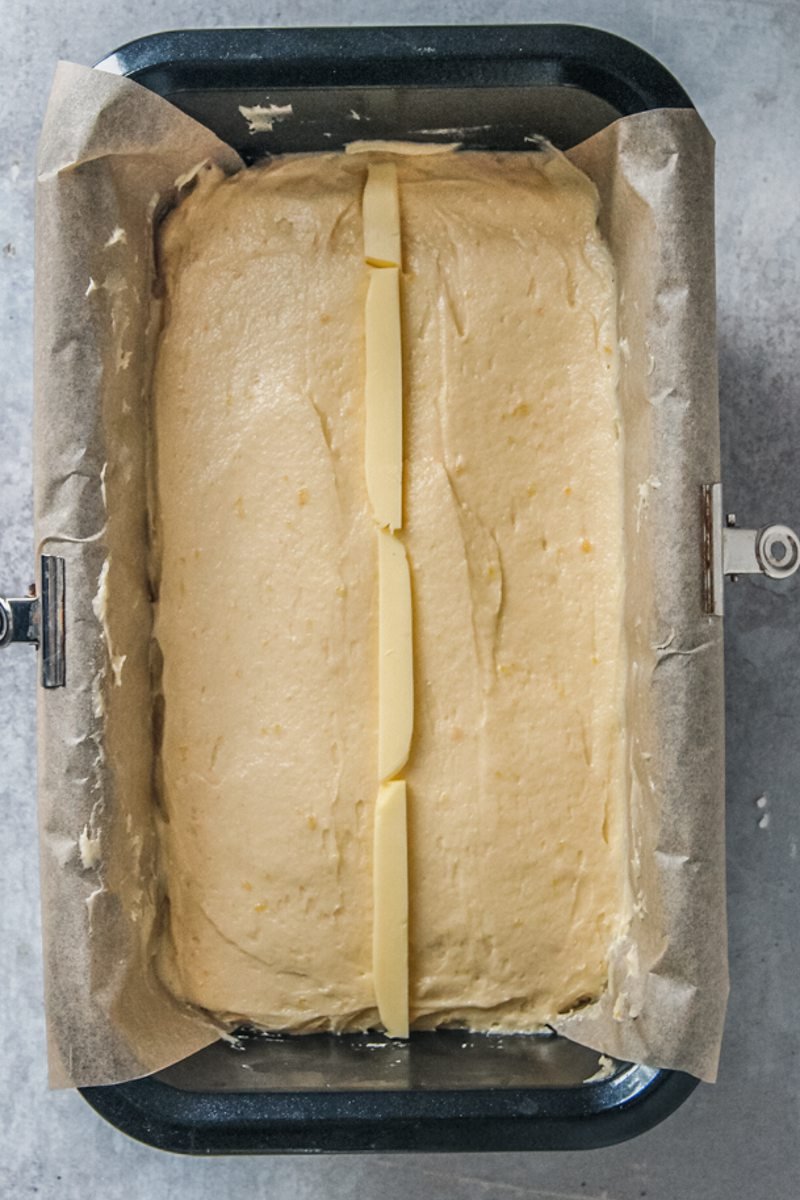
(741, 1138)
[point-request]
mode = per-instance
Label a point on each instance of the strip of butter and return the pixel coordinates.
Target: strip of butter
(390, 908)
(395, 657)
(384, 478)
(384, 397)
(381, 211)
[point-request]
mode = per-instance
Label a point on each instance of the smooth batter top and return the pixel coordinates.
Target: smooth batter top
(266, 614)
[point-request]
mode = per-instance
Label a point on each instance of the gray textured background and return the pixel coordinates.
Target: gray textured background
(740, 62)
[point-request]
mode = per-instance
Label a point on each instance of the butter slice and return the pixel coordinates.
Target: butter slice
(390, 908)
(395, 657)
(381, 214)
(384, 397)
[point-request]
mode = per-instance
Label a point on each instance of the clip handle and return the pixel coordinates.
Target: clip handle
(38, 620)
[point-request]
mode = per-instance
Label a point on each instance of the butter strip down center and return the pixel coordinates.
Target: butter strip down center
(395, 661)
(384, 479)
(381, 209)
(384, 397)
(390, 911)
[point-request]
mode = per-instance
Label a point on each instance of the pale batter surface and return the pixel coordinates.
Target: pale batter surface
(267, 599)
(266, 611)
(514, 518)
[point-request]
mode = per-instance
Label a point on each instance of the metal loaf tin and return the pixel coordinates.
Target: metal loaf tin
(490, 88)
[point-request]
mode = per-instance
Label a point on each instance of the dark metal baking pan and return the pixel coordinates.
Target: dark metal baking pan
(447, 1090)
(494, 85)
(497, 87)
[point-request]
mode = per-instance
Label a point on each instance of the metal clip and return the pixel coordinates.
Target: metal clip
(773, 550)
(39, 620)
